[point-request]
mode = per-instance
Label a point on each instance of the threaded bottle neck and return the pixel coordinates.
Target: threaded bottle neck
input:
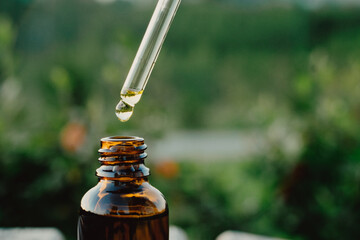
(122, 158)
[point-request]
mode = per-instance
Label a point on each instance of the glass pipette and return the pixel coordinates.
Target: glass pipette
(145, 58)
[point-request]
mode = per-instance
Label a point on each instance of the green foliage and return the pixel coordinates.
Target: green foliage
(209, 198)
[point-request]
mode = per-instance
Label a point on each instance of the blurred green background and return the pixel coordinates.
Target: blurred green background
(287, 70)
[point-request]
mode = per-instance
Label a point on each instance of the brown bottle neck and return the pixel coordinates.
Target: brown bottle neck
(122, 159)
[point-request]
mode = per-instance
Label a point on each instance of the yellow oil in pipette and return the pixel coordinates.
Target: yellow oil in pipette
(145, 58)
(125, 108)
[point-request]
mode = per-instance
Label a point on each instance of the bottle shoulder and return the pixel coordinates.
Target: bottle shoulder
(132, 199)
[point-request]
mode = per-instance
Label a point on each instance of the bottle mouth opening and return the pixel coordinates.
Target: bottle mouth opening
(121, 139)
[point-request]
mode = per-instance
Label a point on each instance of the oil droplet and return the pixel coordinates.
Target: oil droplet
(123, 111)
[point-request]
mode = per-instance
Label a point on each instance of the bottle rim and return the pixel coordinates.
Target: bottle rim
(121, 138)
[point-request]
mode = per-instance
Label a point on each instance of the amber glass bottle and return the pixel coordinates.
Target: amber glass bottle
(123, 205)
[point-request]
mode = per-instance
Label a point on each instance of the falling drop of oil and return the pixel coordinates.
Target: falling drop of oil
(123, 111)
(125, 108)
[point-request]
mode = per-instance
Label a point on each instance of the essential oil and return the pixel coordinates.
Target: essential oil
(123, 205)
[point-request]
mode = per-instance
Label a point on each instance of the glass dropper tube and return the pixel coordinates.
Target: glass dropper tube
(145, 58)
